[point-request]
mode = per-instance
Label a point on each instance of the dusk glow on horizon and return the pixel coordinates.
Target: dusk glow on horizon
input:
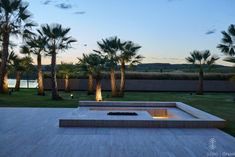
(167, 30)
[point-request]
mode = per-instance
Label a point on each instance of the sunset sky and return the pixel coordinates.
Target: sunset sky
(167, 30)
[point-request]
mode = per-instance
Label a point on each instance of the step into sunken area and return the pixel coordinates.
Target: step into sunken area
(149, 115)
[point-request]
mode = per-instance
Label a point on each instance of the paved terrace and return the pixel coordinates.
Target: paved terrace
(34, 132)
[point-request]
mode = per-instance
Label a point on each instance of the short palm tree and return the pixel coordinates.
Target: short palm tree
(66, 69)
(57, 41)
(14, 19)
(128, 55)
(36, 45)
(109, 48)
(95, 64)
(98, 65)
(15, 63)
(85, 65)
(10, 62)
(201, 59)
(21, 65)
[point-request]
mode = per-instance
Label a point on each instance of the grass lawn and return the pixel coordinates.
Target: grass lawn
(220, 104)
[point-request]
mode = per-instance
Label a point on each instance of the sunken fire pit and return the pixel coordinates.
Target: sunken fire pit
(122, 114)
(139, 114)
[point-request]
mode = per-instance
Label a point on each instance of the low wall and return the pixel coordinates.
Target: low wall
(152, 85)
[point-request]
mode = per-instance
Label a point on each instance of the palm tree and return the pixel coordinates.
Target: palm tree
(227, 46)
(36, 45)
(10, 61)
(109, 48)
(66, 69)
(85, 65)
(97, 63)
(57, 40)
(200, 59)
(14, 19)
(21, 65)
(16, 65)
(128, 55)
(18, 68)
(228, 41)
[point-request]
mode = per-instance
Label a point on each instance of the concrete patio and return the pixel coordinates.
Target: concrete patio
(35, 132)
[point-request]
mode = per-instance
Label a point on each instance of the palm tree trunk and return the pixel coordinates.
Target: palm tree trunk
(18, 77)
(66, 83)
(200, 83)
(113, 83)
(40, 77)
(98, 93)
(54, 88)
(122, 84)
(27, 78)
(5, 85)
(90, 84)
(3, 72)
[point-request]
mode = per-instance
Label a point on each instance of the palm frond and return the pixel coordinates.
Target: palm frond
(15, 15)
(57, 37)
(230, 59)
(212, 60)
(231, 30)
(206, 54)
(223, 48)
(191, 60)
(226, 38)
(228, 41)
(201, 58)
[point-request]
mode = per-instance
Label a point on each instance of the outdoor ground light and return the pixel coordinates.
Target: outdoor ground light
(71, 96)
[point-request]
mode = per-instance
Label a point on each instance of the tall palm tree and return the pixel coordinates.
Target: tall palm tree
(36, 45)
(57, 41)
(85, 65)
(109, 47)
(66, 69)
(128, 55)
(14, 19)
(227, 45)
(200, 59)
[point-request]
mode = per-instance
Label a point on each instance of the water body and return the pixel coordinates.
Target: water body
(23, 83)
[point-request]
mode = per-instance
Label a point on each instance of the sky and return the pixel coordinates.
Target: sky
(167, 30)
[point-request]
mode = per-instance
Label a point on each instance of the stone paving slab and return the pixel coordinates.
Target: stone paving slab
(35, 132)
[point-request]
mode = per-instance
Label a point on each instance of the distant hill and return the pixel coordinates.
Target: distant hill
(146, 67)
(167, 67)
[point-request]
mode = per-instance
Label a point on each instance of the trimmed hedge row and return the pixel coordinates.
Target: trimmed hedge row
(156, 76)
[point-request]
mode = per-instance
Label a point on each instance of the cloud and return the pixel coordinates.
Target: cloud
(46, 2)
(172, 0)
(79, 12)
(209, 32)
(64, 6)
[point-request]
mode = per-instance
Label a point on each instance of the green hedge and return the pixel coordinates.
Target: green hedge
(157, 76)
